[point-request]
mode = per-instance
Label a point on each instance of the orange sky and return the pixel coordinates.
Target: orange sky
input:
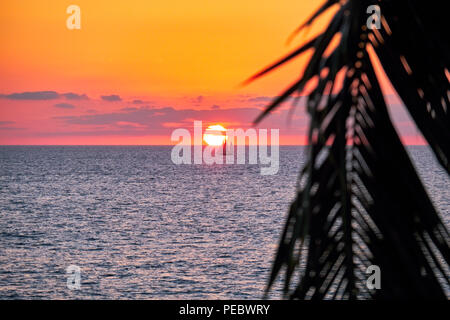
(170, 55)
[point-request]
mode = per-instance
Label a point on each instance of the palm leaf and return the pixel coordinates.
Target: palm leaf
(360, 200)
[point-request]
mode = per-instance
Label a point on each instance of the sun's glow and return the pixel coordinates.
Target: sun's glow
(215, 135)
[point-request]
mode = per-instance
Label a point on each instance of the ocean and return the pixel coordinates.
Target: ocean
(140, 227)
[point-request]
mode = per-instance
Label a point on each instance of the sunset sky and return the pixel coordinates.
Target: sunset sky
(137, 70)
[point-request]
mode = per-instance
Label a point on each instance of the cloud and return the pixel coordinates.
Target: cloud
(137, 101)
(129, 109)
(10, 128)
(43, 95)
(215, 107)
(261, 99)
(129, 115)
(4, 123)
(161, 120)
(111, 98)
(32, 95)
(64, 106)
(197, 100)
(75, 96)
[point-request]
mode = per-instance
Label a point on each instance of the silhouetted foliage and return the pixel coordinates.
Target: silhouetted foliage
(360, 201)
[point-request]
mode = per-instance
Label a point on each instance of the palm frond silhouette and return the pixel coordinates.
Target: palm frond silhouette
(360, 201)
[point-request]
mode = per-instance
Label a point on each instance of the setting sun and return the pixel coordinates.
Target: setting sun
(215, 135)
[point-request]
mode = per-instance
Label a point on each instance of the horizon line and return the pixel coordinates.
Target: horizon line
(152, 145)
